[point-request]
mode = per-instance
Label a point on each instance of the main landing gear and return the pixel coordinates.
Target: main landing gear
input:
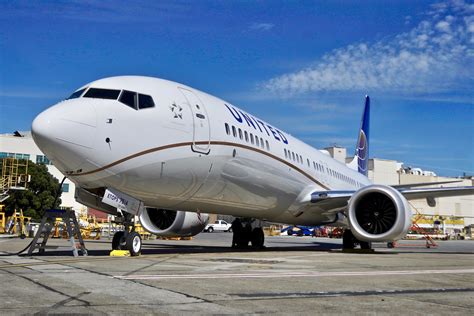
(350, 242)
(247, 231)
(128, 239)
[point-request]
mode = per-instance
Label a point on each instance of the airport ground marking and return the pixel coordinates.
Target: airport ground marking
(291, 274)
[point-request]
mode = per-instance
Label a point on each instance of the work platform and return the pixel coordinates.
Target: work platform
(47, 225)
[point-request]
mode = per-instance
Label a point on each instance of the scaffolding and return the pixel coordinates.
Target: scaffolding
(429, 241)
(14, 176)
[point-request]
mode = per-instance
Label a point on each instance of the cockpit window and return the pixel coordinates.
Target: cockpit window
(76, 94)
(145, 101)
(102, 93)
(129, 98)
(132, 99)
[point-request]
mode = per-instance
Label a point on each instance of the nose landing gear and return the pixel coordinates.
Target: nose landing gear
(128, 239)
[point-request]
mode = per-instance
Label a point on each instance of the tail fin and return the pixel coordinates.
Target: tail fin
(361, 156)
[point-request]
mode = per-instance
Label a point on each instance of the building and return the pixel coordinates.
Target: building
(20, 145)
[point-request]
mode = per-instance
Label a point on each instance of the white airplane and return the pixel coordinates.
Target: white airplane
(171, 154)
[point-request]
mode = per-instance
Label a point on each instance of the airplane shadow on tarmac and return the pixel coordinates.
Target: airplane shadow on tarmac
(174, 247)
(166, 248)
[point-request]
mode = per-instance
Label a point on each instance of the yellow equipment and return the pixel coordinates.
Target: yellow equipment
(90, 228)
(142, 232)
(16, 224)
(273, 230)
(120, 253)
(2, 220)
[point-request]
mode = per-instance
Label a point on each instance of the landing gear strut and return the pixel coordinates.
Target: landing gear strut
(128, 239)
(247, 231)
(350, 242)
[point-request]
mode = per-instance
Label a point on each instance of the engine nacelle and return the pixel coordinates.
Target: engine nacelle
(379, 213)
(170, 223)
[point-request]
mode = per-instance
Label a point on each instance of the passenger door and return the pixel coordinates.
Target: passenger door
(201, 127)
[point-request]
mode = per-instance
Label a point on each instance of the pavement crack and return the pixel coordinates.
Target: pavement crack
(143, 284)
(151, 265)
(69, 297)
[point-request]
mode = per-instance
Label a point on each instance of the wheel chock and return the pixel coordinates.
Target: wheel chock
(358, 250)
(120, 253)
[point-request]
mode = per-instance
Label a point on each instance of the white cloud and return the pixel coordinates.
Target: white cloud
(261, 26)
(443, 26)
(434, 56)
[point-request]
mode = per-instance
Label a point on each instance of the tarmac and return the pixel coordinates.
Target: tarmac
(292, 275)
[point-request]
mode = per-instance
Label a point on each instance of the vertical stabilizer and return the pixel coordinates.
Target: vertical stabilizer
(361, 156)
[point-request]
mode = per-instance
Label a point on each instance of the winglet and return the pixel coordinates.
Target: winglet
(361, 156)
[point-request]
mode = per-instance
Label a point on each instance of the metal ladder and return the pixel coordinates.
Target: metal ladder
(47, 225)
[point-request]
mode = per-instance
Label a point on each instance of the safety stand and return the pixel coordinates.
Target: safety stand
(47, 225)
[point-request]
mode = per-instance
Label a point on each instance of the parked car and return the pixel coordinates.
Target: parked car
(218, 225)
(298, 230)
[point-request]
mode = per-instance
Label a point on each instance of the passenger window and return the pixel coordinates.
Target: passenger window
(286, 155)
(268, 145)
(251, 138)
(262, 144)
(293, 154)
(76, 94)
(227, 129)
(246, 136)
(129, 98)
(257, 142)
(102, 94)
(234, 131)
(145, 101)
(240, 134)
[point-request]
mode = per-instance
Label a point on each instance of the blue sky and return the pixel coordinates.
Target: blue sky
(303, 66)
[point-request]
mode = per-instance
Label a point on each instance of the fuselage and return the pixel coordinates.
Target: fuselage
(191, 151)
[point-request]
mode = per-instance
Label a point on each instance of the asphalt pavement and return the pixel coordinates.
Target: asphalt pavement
(297, 275)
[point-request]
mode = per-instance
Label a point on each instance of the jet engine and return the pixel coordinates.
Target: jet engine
(379, 213)
(170, 223)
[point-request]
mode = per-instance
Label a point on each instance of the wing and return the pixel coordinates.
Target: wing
(422, 184)
(413, 194)
(335, 201)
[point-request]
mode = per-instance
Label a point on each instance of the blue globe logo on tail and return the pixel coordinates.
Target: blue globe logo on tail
(362, 153)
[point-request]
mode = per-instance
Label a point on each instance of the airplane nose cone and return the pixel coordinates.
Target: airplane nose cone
(66, 133)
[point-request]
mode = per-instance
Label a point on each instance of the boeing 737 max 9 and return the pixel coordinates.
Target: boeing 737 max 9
(171, 154)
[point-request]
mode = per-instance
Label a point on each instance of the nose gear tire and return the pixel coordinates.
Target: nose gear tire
(118, 240)
(134, 244)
